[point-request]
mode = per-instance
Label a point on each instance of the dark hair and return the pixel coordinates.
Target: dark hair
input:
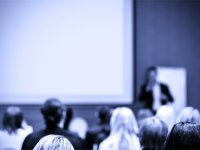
(148, 72)
(151, 68)
(12, 119)
(153, 133)
(184, 135)
(52, 111)
(68, 118)
(104, 114)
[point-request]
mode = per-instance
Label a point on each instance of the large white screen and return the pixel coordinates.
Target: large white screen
(77, 50)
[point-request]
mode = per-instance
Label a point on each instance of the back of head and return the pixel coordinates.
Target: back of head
(103, 114)
(143, 114)
(184, 135)
(123, 127)
(12, 119)
(53, 142)
(189, 114)
(52, 111)
(153, 133)
(167, 114)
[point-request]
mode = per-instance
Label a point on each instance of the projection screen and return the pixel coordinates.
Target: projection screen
(80, 51)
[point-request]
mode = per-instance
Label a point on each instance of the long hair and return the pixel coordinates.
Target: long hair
(54, 142)
(123, 128)
(12, 119)
(153, 133)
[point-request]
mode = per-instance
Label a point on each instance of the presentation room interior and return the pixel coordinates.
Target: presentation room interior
(166, 33)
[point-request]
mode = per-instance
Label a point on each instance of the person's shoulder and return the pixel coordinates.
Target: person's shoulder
(31, 140)
(34, 135)
(163, 85)
(76, 141)
(144, 85)
(73, 135)
(94, 129)
(107, 143)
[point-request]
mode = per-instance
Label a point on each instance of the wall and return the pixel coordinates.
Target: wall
(168, 34)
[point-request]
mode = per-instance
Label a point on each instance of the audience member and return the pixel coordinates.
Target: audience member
(52, 111)
(53, 142)
(153, 133)
(184, 135)
(68, 118)
(167, 114)
(153, 94)
(123, 131)
(15, 129)
(79, 126)
(189, 114)
(142, 114)
(97, 133)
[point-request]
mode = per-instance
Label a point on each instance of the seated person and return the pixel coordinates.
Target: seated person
(143, 114)
(97, 133)
(14, 130)
(153, 94)
(184, 135)
(77, 125)
(53, 112)
(53, 142)
(167, 114)
(69, 116)
(153, 133)
(124, 130)
(189, 114)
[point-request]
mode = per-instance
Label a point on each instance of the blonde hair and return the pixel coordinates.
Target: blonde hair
(189, 114)
(124, 127)
(167, 114)
(123, 117)
(54, 142)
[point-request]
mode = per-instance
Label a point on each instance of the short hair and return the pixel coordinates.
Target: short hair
(52, 111)
(152, 68)
(189, 114)
(12, 119)
(53, 142)
(153, 133)
(103, 114)
(184, 135)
